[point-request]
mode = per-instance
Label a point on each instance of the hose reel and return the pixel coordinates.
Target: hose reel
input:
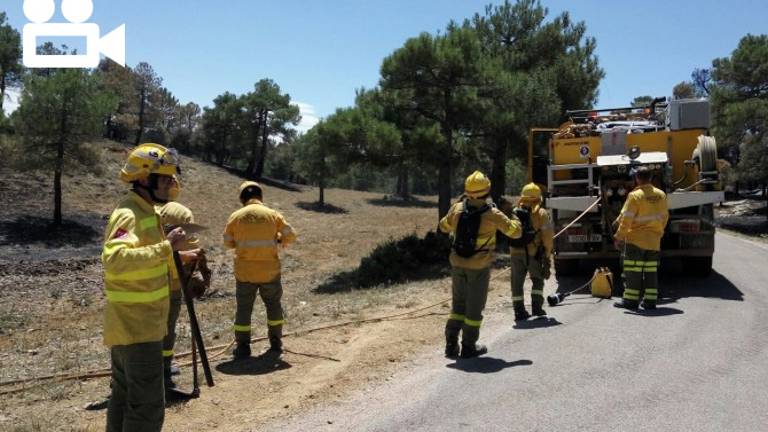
(705, 156)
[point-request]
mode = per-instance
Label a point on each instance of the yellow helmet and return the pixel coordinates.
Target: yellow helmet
(531, 191)
(149, 159)
(477, 185)
(246, 186)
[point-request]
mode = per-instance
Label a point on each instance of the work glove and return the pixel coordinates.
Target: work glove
(546, 268)
(201, 280)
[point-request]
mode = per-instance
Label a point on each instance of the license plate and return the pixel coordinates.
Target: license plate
(583, 238)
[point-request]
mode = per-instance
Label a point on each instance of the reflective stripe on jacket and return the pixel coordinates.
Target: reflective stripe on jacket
(545, 233)
(490, 221)
(254, 232)
(135, 260)
(643, 218)
(174, 213)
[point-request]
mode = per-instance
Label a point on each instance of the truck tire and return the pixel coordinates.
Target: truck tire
(698, 266)
(565, 267)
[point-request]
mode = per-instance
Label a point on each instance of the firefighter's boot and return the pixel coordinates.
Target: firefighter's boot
(648, 304)
(472, 351)
(275, 344)
(537, 295)
(520, 313)
(242, 350)
(626, 304)
(452, 330)
(451, 346)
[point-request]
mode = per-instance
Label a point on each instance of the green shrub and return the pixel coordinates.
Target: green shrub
(396, 261)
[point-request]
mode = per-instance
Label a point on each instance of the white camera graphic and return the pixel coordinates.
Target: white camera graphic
(76, 12)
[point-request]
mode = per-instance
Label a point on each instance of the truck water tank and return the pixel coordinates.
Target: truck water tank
(688, 114)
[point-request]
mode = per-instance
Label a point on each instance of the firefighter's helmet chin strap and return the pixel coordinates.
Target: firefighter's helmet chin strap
(153, 184)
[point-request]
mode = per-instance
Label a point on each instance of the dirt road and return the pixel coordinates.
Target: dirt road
(697, 364)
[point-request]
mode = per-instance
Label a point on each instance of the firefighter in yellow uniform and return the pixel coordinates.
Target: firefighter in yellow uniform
(531, 254)
(641, 226)
(135, 259)
(473, 223)
(254, 232)
(174, 214)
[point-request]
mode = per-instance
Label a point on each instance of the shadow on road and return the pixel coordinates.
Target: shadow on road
(713, 286)
(580, 300)
(658, 312)
(486, 364)
(535, 323)
(259, 365)
(671, 286)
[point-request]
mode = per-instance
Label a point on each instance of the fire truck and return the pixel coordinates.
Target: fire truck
(584, 168)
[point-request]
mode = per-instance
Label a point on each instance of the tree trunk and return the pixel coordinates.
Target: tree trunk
(321, 198)
(498, 182)
(444, 175)
(58, 168)
(2, 91)
(250, 170)
(59, 165)
(498, 170)
(221, 154)
(264, 145)
(444, 188)
(403, 190)
(57, 184)
(141, 117)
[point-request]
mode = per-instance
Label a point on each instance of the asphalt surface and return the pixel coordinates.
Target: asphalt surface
(699, 363)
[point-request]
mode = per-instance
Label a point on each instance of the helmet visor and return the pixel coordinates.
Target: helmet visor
(168, 164)
(171, 157)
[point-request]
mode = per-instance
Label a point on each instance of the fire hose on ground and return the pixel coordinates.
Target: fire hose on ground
(600, 274)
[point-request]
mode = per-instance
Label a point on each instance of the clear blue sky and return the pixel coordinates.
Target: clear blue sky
(320, 51)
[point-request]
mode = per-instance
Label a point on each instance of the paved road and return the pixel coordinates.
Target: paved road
(700, 363)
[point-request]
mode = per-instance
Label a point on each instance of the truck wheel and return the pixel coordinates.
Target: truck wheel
(564, 267)
(698, 266)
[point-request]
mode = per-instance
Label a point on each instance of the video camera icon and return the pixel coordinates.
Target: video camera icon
(76, 12)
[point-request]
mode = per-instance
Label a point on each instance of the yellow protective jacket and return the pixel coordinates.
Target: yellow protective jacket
(254, 232)
(490, 221)
(175, 214)
(135, 260)
(545, 234)
(643, 218)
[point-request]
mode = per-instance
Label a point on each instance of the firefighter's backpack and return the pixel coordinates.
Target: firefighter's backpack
(528, 233)
(465, 239)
